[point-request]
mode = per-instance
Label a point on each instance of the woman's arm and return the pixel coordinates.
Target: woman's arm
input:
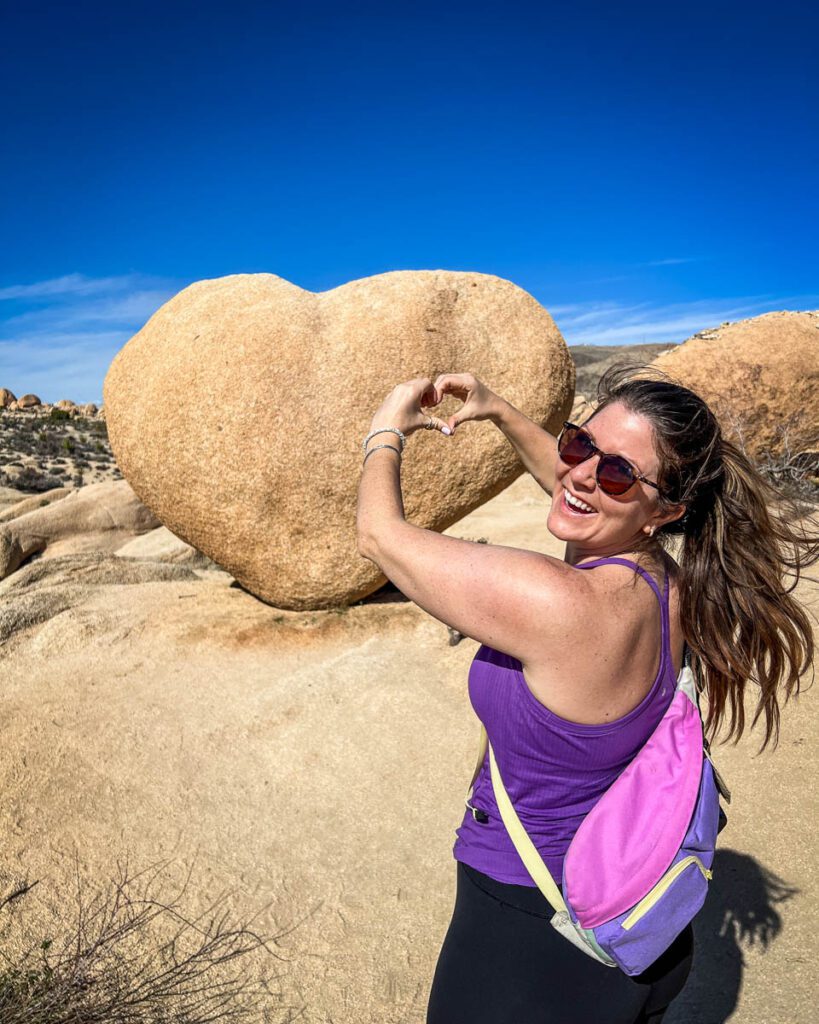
(536, 447)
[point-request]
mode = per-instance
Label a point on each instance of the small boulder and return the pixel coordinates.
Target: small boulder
(160, 545)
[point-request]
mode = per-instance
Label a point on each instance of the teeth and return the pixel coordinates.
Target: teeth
(571, 500)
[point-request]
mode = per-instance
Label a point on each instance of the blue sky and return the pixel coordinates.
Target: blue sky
(644, 170)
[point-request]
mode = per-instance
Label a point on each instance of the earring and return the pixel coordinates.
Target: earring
(651, 530)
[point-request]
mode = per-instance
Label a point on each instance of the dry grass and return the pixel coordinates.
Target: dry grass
(124, 955)
(790, 460)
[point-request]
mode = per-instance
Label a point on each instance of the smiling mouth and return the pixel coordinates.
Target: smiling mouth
(572, 509)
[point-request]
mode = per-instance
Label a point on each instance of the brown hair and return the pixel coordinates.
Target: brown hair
(739, 537)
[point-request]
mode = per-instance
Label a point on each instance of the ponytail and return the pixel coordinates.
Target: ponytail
(744, 546)
(739, 617)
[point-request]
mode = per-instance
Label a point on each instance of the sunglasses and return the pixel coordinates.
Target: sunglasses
(614, 473)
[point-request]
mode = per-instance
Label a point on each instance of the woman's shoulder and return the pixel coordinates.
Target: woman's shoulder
(657, 565)
(604, 670)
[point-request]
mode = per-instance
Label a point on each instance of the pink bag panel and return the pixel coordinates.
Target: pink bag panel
(630, 837)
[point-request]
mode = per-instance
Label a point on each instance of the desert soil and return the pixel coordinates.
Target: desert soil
(314, 766)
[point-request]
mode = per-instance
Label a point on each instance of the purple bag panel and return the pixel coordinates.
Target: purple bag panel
(635, 948)
(634, 832)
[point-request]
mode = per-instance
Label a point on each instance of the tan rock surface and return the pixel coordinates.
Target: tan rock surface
(100, 517)
(756, 374)
(237, 414)
(318, 762)
(10, 496)
(582, 409)
(15, 509)
(160, 545)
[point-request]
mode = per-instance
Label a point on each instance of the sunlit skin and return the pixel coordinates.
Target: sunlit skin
(619, 520)
(519, 601)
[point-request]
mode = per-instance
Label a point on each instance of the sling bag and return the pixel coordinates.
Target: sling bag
(638, 866)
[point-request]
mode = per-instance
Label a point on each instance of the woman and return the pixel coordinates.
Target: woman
(575, 667)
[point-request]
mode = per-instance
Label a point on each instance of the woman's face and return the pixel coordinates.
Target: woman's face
(617, 521)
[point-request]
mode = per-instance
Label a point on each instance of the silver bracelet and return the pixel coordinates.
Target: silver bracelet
(381, 430)
(375, 449)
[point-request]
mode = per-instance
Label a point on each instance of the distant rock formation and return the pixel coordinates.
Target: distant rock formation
(237, 414)
(760, 376)
(32, 404)
(592, 361)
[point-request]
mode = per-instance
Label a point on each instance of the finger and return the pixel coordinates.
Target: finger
(452, 383)
(449, 378)
(437, 424)
(430, 395)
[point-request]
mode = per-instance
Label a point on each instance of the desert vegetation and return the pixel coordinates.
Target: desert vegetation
(40, 452)
(790, 462)
(126, 954)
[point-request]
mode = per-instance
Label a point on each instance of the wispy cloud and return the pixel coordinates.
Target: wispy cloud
(612, 323)
(58, 337)
(112, 309)
(69, 285)
(637, 270)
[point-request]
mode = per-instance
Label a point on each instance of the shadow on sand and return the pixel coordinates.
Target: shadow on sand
(740, 911)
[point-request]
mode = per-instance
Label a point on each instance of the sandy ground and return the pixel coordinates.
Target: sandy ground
(316, 766)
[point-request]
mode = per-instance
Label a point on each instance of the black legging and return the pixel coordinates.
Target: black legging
(502, 963)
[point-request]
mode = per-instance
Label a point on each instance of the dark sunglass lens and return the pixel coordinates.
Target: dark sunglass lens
(614, 475)
(574, 447)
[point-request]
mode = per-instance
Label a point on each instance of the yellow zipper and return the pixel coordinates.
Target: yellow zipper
(648, 901)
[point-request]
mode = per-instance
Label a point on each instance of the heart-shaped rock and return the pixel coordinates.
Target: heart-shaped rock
(237, 414)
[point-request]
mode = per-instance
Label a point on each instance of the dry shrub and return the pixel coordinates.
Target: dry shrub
(123, 955)
(790, 458)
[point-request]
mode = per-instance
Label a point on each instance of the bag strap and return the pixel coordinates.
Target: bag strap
(582, 938)
(527, 851)
(724, 791)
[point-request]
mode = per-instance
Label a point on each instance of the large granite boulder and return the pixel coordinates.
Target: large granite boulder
(761, 377)
(237, 414)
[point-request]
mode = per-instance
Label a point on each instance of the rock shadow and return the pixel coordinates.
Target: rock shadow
(388, 594)
(741, 910)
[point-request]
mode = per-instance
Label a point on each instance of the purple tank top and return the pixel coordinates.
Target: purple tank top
(554, 770)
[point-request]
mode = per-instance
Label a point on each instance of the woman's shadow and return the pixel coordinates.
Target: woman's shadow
(740, 910)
